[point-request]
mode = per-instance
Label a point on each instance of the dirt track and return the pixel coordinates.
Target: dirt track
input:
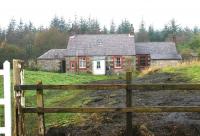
(162, 124)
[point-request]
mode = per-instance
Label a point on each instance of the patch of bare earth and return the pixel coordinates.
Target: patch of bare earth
(154, 124)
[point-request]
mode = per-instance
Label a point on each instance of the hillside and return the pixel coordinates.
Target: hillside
(186, 72)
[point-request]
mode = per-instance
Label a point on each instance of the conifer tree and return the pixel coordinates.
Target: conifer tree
(112, 27)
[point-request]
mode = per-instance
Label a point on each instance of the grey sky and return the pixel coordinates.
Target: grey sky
(155, 12)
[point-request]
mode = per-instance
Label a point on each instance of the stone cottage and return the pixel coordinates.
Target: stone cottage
(111, 53)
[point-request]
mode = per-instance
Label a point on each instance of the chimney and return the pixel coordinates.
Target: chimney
(132, 33)
(174, 38)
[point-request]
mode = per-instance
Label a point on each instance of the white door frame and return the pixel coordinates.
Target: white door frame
(6, 101)
(102, 69)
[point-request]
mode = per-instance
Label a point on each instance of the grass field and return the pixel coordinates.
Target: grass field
(71, 98)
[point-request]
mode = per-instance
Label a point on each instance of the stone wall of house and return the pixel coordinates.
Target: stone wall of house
(128, 63)
(162, 63)
(69, 60)
(49, 65)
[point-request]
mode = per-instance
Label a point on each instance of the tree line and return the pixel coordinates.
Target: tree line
(25, 41)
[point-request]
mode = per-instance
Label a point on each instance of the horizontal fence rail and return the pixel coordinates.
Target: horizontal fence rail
(136, 109)
(111, 87)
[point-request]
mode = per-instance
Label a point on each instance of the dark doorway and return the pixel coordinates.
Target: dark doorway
(63, 66)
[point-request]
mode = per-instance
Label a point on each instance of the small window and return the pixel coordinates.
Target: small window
(82, 62)
(56, 55)
(99, 42)
(118, 62)
(98, 65)
(143, 60)
(72, 64)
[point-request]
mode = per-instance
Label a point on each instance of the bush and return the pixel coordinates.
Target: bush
(186, 53)
(10, 52)
(32, 65)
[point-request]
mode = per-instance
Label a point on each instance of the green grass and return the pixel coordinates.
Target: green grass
(31, 77)
(183, 72)
(190, 71)
(57, 98)
(1, 86)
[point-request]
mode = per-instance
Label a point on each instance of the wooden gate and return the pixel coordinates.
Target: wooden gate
(6, 101)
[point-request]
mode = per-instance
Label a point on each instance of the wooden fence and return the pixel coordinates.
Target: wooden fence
(40, 110)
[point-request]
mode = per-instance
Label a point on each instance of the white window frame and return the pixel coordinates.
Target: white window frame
(82, 62)
(98, 66)
(115, 61)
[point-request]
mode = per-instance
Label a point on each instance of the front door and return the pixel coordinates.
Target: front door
(99, 67)
(63, 66)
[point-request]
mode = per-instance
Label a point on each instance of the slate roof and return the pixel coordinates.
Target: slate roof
(54, 54)
(158, 50)
(101, 45)
(113, 44)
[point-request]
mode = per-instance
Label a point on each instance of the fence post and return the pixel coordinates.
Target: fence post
(18, 116)
(7, 98)
(40, 104)
(129, 129)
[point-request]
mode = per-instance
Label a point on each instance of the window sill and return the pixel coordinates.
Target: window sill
(117, 67)
(82, 68)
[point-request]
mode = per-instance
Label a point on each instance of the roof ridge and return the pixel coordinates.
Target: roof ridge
(153, 42)
(97, 34)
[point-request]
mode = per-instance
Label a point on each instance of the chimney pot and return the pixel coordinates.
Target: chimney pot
(132, 33)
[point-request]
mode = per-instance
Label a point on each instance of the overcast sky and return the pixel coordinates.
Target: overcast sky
(155, 12)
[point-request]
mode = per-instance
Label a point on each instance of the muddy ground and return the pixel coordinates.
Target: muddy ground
(158, 124)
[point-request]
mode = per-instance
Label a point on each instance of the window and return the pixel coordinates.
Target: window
(82, 62)
(72, 64)
(118, 62)
(99, 42)
(143, 61)
(98, 65)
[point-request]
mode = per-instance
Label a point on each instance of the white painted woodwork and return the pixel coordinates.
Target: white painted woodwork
(6, 101)
(99, 70)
